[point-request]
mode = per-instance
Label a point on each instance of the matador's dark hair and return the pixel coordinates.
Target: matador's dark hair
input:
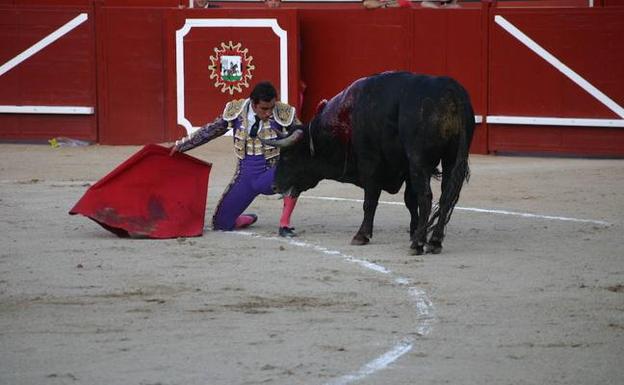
(263, 91)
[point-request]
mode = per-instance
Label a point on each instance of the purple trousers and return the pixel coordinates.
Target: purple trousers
(254, 177)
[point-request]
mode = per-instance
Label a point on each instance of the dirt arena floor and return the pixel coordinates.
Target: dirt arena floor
(529, 288)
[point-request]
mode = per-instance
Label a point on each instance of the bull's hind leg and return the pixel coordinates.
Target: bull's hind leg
(422, 192)
(434, 245)
(371, 199)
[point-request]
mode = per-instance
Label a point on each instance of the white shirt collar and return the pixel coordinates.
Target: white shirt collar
(251, 116)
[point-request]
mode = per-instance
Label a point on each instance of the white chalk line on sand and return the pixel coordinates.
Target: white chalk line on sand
(375, 365)
(336, 199)
(424, 308)
(474, 209)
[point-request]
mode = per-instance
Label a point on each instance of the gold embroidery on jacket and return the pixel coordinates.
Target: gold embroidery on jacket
(268, 133)
(284, 114)
(246, 145)
(234, 108)
(240, 136)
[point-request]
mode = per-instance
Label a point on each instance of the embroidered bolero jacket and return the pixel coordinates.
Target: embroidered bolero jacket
(235, 118)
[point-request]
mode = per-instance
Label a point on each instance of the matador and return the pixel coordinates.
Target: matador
(260, 116)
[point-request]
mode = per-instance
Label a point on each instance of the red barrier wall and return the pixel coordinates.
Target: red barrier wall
(131, 75)
(121, 62)
(58, 75)
(345, 45)
(585, 72)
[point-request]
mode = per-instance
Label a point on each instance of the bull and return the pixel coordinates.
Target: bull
(378, 133)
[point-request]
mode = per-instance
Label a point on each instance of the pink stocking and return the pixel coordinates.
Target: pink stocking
(289, 206)
(245, 220)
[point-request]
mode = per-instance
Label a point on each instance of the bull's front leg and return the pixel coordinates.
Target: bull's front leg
(411, 202)
(371, 199)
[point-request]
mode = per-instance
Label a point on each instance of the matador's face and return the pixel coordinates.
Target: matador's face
(263, 109)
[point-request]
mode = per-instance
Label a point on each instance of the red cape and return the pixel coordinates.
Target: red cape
(152, 194)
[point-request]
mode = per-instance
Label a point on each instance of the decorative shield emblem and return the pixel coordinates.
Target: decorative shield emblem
(231, 68)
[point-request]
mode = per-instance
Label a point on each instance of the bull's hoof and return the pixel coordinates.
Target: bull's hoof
(359, 240)
(417, 249)
(434, 247)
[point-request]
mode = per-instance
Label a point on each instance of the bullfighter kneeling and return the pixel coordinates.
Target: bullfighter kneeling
(260, 116)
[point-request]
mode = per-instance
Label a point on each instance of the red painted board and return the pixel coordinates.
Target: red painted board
(145, 3)
(205, 94)
(344, 45)
(126, 3)
(131, 79)
(524, 84)
(61, 73)
(46, 3)
(544, 4)
(39, 128)
(561, 140)
(152, 194)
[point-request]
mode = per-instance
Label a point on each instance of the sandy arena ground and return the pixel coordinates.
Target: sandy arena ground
(513, 298)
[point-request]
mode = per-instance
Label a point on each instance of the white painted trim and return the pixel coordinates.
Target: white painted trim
(543, 121)
(78, 110)
(564, 69)
(478, 119)
(226, 23)
(41, 44)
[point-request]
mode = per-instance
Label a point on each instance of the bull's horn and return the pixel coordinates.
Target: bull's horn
(291, 139)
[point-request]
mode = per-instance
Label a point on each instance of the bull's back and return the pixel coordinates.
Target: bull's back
(432, 112)
(400, 114)
(393, 107)
(381, 101)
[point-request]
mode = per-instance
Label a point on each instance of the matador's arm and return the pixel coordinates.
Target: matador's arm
(204, 135)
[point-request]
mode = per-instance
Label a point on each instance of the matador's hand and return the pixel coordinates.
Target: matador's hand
(173, 149)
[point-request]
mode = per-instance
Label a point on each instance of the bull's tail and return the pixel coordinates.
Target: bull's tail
(460, 171)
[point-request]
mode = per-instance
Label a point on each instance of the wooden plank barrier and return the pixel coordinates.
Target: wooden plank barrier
(543, 80)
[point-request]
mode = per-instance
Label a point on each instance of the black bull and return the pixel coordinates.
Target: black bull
(382, 131)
